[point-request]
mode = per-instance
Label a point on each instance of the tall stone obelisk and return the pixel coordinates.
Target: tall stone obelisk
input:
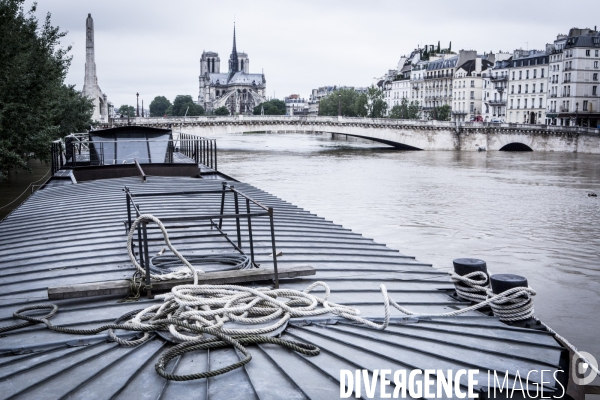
(90, 84)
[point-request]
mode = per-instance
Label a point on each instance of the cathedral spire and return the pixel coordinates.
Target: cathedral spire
(233, 58)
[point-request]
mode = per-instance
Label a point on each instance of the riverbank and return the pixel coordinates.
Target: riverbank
(15, 189)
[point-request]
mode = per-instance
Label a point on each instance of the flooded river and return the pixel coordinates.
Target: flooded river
(523, 213)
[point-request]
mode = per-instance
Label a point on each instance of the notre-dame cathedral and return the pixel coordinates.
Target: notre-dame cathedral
(238, 90)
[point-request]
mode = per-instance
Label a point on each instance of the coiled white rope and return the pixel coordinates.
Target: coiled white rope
(182, 273)
(472, 286)
(212, 306)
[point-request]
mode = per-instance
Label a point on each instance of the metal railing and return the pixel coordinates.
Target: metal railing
(201, 150)
(58, 156)
(212, 222)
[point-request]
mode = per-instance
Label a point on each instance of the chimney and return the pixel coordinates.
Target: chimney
(478, 65)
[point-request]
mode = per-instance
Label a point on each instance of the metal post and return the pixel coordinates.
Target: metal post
(128, 209)
(222, 204)
(273, 247)
(197, 152)
(237, 219)
(215, 156)
(210, 144)
(250, 232)
(73, 155)
(147, 261)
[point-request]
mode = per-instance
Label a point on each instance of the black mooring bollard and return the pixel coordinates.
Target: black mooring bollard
(464, 266)
(503, 282)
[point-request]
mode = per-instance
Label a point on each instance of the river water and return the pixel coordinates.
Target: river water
(523, 213)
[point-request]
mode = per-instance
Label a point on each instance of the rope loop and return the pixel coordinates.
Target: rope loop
(472, 286)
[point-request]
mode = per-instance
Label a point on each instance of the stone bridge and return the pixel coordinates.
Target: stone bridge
(402, 134)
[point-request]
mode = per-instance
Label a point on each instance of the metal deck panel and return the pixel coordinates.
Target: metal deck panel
(75, 234)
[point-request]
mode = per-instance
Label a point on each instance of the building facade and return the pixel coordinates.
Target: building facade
(238, 90)
(528, 84)
(574, 84)
(468, 89)
(495, 84)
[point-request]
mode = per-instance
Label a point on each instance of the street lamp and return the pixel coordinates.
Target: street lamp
(576, 113)
(137, 114)
(339, 105)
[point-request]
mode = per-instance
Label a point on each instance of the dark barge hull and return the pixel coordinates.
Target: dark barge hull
(69, 234)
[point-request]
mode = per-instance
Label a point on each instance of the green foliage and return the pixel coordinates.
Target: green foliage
(376, 105)
(425, 54)
(442, 113)
(126, 111)
(405, 110)
(271, 107)
(183, 103)
(73, 110)
(222, 111)
(169, 111)
(36, 106)
(158, 106)
(439, 49)
(353, 103)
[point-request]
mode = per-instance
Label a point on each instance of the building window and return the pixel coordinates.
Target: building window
(595, 64)
(526, 88)
(527, 74)
(512, 89)
(520, 74)
(472, 107)
(533, 88)
(518, 103)
(596, 51)
(525, 103)
(585, 105)
(541, 88)
(513, 76)
(511, 103)
(595, 76)
(472, 95)
(594, 90)
(519, 89)
(587, 53)
(540, 104)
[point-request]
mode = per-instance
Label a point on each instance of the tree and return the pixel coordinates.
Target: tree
(376, 105)
(439, 49)
(413, 110)
(222, 111)
(450, 47)
(36, 106)
(353, 103)
(73, 110)
(271, 107)
(126, 110)
(158, 106)
(443, 113)
(183, 103)
(400, 111)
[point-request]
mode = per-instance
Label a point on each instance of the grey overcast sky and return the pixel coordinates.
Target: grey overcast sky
(153, 47)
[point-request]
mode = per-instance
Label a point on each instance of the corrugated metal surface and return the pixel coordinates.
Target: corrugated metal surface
(75, 234)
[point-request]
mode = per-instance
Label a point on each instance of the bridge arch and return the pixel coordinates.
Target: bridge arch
(396, 145)
(515, 146)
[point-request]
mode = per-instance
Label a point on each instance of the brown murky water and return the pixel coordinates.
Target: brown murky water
(524, 213)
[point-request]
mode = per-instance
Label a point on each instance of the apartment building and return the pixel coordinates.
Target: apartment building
(468, 85)
(527, 83)
(574, 79)
(495, 83)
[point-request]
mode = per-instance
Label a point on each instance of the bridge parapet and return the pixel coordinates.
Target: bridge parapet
(364, 122)
(402, 134)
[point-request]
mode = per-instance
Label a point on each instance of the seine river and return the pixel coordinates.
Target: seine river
(523, 213)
